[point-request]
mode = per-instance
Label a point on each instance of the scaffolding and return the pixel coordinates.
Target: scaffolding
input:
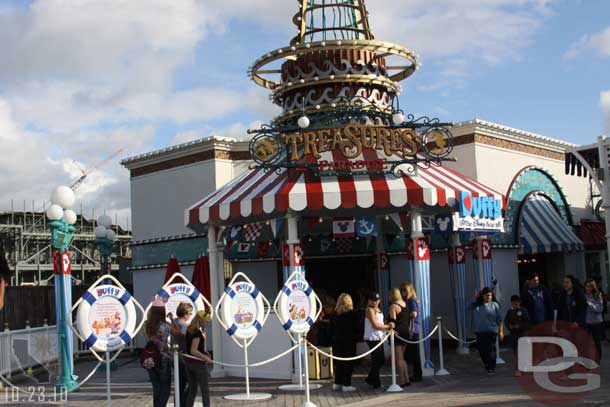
(25, 238)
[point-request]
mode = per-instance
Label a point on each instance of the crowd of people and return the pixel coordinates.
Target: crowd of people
(342, 325)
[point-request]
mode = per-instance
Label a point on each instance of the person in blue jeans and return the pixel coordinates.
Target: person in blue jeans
(487, 324)
(157, 330)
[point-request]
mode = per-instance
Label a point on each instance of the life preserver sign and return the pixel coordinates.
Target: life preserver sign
(176, 293)
(106, 318)
(297, 306)
(243, 310)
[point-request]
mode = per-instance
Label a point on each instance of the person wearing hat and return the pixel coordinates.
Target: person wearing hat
(157, 330)
(197, 365)
(487, 323)
(374, 332)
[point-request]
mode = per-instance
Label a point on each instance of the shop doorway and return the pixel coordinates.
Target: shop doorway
(333, 276)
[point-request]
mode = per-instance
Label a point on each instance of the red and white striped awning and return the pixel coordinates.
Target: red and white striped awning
(256, 194)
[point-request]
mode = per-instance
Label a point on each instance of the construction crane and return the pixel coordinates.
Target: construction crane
(86, 173)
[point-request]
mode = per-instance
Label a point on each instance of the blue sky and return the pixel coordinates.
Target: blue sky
(81, 78)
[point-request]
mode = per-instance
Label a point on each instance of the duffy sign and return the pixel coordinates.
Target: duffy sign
(482, 214)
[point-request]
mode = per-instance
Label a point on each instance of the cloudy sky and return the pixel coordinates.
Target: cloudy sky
(80, 79)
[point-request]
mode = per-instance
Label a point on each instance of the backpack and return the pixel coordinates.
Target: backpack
(150, 357)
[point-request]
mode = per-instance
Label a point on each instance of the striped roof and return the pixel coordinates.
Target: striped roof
(543, 230)
(258, 194)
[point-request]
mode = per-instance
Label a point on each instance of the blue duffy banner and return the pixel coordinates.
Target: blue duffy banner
(479, 214)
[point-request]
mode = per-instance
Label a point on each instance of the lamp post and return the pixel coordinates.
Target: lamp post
(61, 218)
(104, 239)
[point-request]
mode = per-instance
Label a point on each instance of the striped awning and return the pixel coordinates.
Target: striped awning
(543, 230)
(258, 194)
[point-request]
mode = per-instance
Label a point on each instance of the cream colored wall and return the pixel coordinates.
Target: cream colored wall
(496, 168)
(465, 160)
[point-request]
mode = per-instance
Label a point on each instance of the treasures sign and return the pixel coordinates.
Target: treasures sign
(396, 145)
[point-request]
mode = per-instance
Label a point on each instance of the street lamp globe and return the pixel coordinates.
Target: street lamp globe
(105, 221)
(110, 234)
(55, 212)
(398, 118)
(100, 232)
(70, 216)
(63, 196)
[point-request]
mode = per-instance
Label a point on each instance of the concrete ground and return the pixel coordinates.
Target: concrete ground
(467, 385)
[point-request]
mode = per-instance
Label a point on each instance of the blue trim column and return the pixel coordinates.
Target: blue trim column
(216, 289)
(421, 268)
(457, 273)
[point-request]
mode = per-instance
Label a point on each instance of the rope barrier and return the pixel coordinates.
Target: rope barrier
(417, 342)
(352, 358)
(458, 339)
(262, 363)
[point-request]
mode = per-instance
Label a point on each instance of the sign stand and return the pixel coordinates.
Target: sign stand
(302, 372)
(308, 402)
(108, 387)
(257, 307)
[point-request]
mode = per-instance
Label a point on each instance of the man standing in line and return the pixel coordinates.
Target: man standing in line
(537, 300)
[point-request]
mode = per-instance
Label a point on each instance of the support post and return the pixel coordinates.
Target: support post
(108, 386)
(457, 271)
(216, 287)
(421, 269)
(605, 166)
(176, 376)
(382, 266)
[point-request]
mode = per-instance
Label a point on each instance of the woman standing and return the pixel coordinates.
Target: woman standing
(407, 291)
(487, 324)
(344, 328)
(572, 306)
(158, 331)
(594, 318)
(399, 318)
(198, 375)
(374, 332)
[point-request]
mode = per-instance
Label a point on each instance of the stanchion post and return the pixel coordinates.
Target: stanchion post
(394, 387)
(108, 389)
(442, 371)
(302, 355)
(307, 402)
(176, 376)
(247, 368)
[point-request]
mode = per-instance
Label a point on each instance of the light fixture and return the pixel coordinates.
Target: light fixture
(398, 118)
(303, 122)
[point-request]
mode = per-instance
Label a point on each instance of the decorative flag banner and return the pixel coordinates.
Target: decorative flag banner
(343, 227)
(396, 219)
(410, 257)
(325, 244)
(343, 245)
(235, 233)
(252, 232)
(263, 249)
(366, 226)
(457, 273)
(243, 247)
(483, 269)
(276, 225)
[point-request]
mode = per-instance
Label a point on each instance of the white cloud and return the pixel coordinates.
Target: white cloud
(604, 101)
(598, 43)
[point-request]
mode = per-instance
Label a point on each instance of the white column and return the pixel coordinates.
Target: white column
(216, 287)
(417, 232)
(603, 163)
(293, 236)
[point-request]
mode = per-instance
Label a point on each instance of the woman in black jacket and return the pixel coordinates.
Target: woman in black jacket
(572, 306)
(344, 330)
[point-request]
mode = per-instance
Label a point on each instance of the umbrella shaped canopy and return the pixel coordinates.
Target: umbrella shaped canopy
(172, 268)
(201, 276)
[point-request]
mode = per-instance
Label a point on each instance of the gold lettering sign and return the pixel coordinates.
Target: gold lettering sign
(351, 139)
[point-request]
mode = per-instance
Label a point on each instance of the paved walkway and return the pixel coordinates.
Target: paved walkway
(466, 386)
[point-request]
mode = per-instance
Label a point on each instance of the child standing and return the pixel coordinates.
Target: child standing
(518, 321)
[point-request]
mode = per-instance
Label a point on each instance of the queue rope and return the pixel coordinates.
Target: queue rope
(458, 339)
(374, 348)
(419, 341)
(257, 364)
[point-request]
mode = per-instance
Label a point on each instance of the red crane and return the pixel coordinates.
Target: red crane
(85, 173)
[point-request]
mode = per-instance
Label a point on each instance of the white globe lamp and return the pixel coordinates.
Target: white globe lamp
(398, 118)
(70, 216)
(63, 196)
(55, 212)
(105, 221)
(100, 232)
(303, 122)
(110, 235)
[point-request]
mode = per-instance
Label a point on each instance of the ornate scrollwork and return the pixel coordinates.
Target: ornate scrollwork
(266, 148)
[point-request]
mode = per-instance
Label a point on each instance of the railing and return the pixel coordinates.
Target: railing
(27, 348)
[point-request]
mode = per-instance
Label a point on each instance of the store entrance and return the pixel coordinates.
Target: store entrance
(352, 275)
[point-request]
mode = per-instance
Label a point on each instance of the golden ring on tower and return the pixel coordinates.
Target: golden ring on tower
(380, 48)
